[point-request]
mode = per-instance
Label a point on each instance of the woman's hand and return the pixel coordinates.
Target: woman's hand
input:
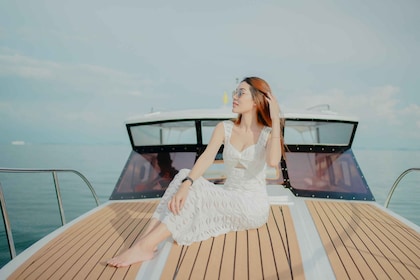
(273, 105)
(177, 202)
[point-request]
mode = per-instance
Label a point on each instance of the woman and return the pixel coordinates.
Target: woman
(194, 209)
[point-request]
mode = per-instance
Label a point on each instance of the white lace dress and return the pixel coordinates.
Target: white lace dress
(210, 210)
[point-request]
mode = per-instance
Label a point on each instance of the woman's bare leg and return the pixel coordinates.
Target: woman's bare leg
(143, 249)
(151, 226)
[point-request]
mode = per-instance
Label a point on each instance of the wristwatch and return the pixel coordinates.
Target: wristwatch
(188, 178)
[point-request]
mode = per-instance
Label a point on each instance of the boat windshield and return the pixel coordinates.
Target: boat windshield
(172, 133)
(319, 161)
(318, 132)
(326, 175)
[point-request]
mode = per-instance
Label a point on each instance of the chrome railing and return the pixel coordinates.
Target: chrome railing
(54, 172)
(394, 186)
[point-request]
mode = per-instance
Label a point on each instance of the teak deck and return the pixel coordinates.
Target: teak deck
(270, 252)
(361, 242)
(81, 251)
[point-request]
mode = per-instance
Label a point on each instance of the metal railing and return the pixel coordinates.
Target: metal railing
(394, 186)
(54, 172)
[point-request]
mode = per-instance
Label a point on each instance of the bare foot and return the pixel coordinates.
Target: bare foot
(133, 255)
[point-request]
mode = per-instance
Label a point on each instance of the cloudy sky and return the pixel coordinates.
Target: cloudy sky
(74, 71)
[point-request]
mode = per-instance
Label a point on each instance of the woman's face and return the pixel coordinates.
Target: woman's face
(242, 99)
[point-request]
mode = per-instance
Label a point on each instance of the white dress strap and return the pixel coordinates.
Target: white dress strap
(265, 133)
(228, 125)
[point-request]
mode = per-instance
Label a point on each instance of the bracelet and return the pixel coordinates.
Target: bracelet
(188, 178)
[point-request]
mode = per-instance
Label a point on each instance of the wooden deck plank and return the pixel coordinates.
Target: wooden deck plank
(188, 260)
(122, 238)
(241, 255)
(200, 268)
(170, 269)
(348, 237)
(339, 245)
(332, 234)
(74, 253)
(98, 254)
(389, 244)
(83, 252)
(359, 238)
(408, 243)
(228, 260)
(373, 239)
(295, 257)
(270, 252)
(134, 231)
(371, 233)
(69, 255)
(254, 255)
(363, 228)
(269, 269)
(110, 235)
(336, 263)
(281, 227)
(281, 255)
(214, 260)
(406, 237)
(51, 252)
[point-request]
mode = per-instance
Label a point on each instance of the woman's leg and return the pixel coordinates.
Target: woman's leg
(143, 249)
(152, 224)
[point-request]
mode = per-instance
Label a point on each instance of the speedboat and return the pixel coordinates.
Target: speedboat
(324, 222)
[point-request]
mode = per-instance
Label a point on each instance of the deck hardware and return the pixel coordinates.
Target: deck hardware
(394, 186)
(7, 225)
(6, 220)
(59, 200)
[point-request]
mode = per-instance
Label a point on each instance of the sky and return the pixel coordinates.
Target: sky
(74, 71)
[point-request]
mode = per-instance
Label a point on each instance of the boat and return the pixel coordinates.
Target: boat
(324, 222)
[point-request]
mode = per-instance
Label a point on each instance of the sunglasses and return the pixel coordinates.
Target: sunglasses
(238, 92)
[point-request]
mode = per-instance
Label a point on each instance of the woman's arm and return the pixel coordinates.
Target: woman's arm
(273, 150)
(273, 153)
(207, 157)
(203, 162)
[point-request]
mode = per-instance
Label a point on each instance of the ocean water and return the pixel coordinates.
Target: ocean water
(33, 209)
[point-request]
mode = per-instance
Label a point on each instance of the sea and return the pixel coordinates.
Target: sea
(32, 204)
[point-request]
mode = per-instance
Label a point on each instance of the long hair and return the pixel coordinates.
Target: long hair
(259, 89)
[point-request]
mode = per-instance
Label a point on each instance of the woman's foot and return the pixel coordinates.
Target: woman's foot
(133, 255)
(144, 249)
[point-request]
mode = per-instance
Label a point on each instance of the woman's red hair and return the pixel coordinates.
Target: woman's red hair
(259, 89)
